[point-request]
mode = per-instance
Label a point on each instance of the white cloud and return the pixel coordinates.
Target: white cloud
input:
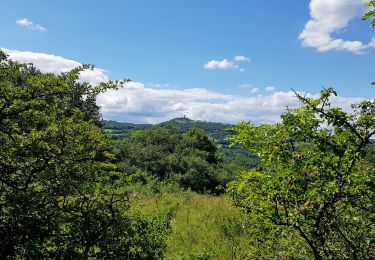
(94, 77)
(24, 22)
(136, 102)
(372, 43)
(27, 23)
(241, 58)
(56, 64)
(40, 28)
(45, 62)
(249, 87)
(270, 89)
(223, 64)
(226, 64)
(254, 90)
(328, 17)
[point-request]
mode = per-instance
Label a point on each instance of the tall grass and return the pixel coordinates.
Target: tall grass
(210, 227)
(203, 226)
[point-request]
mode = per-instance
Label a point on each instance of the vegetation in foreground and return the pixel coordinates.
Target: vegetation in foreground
(314, 178)
(60, 195)
(69, 192)
(208, 227)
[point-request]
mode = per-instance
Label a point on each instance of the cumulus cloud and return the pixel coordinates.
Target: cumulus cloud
(254, 90)
(226, 64)
(241, 58)
(220, 64)
(94, 77)
(24, 22)
(27, 23)
(249, 87)
(372, 43)
(328, 17)
(56, 64)
(270, 89)
(138, 103)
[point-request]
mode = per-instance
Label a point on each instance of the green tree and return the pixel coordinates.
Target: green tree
(147, 149)
(60, 196)
(197, 139)
(314, 180)
(197, 161)
(190, 159)
(371, 13)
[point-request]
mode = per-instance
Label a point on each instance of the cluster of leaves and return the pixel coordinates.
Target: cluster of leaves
(58, 197)
(314, 179)
(370, 14)
(190, 159)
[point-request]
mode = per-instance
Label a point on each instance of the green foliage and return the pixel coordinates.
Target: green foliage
(196, 139)
(147, 150)
(218, 131)
(370, 153)
(60, 194)
(314, 180)
(234, 155)
(117, 130)
(202, 225)
(371, 13)
(190, 159)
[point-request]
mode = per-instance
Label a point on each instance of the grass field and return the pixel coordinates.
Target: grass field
(203, 227)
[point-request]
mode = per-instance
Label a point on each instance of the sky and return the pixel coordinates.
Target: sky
(213, 60)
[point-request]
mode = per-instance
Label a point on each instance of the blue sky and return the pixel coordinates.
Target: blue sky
(165, 44)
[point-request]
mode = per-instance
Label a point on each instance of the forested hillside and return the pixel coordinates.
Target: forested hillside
(119, 130)
(219, 132)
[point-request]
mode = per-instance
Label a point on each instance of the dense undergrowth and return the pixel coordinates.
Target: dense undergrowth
(209, 227)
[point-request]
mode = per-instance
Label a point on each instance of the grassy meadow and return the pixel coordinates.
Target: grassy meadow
(204, 226)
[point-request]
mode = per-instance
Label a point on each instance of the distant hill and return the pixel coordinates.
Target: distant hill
(218, 131)
(119, 130)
